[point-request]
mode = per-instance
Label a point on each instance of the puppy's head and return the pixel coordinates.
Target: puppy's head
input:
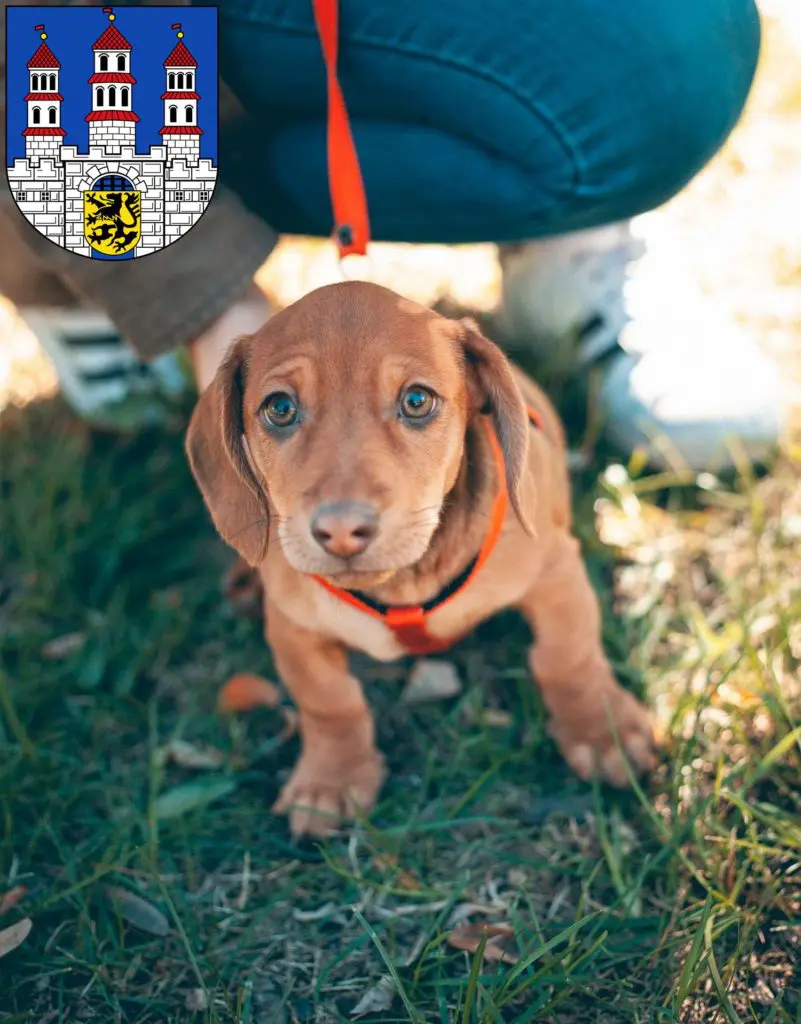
(343, 421)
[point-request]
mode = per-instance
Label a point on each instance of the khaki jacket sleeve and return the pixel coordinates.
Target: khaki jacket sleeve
(169, 297)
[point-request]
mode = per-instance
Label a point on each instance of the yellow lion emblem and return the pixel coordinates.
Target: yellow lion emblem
(112, 221)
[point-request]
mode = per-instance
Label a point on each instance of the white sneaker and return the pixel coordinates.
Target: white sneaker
(99, 376)
(679, 380)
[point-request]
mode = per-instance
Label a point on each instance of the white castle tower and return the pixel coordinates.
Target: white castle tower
(112, 122)
(180, 132)
(44, 132)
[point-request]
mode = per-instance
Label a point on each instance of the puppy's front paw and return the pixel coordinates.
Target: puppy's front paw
(621, 731)
(319, 796)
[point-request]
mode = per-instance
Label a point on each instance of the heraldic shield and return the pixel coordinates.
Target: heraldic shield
(111, 124)
(112, 221)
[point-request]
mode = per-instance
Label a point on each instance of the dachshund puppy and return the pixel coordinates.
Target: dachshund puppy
(396, 481)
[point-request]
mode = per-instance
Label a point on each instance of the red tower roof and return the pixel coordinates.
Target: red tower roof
(111, 115)
(180, 57)
(44, 131)
(43, 58)
(180, 129)
(112, 39)
(106, 77)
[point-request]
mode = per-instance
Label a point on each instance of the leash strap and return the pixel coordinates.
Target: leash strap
(348, 199)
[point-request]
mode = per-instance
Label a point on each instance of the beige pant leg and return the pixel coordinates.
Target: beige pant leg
(24, 278)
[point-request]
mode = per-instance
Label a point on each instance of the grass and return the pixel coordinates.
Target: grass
(679, 902)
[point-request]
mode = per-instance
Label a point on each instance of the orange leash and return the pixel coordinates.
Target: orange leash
(348, 199)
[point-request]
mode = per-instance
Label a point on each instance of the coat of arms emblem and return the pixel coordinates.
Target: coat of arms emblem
(112, 124)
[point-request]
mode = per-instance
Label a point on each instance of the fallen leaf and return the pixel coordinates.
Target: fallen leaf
(431, 680)
(403, 879)
(11, 898)
(244, 692)
(137, 911)
(377, 999)
(468, 937)
(14, 936)
(61, 647)
(196, 1000)
(191, 796)
(187, 755)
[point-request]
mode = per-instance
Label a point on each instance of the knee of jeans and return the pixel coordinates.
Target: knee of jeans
(698, 63)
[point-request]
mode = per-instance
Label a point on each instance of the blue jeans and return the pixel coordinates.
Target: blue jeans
(489, 120)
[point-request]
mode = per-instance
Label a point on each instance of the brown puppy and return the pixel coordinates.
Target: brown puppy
(361, 442)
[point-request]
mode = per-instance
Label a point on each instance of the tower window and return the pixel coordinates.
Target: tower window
(34, 83)
(171, 81)
(46, 197)
(51, 115)
(52, 82)
(179, 196)
(203, 196)
(173, 114)
(99, 93)
(121, 62)
(21, 197)
(188, 114)
(189, 81)
(37, 115)
(180, 81)
(104, 62)
(112, 96)
(124, 96)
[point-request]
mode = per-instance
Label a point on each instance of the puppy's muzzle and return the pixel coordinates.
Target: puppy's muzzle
(344, 528)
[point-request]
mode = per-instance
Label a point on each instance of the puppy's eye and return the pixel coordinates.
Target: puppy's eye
(417, 402)
(279, 409)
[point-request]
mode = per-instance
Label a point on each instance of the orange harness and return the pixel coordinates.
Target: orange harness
(409, 623)
(352, 235)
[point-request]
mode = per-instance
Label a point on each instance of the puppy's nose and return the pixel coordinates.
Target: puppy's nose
(344, 528)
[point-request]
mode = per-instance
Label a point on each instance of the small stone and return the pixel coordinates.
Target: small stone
(431, 680)
(196, 1000)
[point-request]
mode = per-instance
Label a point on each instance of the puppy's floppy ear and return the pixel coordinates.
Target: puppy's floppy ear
(214, 444)
(495, 392)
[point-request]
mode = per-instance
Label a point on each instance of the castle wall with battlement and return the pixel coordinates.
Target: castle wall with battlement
(40, 179)
(188, 179)
(170, 186)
